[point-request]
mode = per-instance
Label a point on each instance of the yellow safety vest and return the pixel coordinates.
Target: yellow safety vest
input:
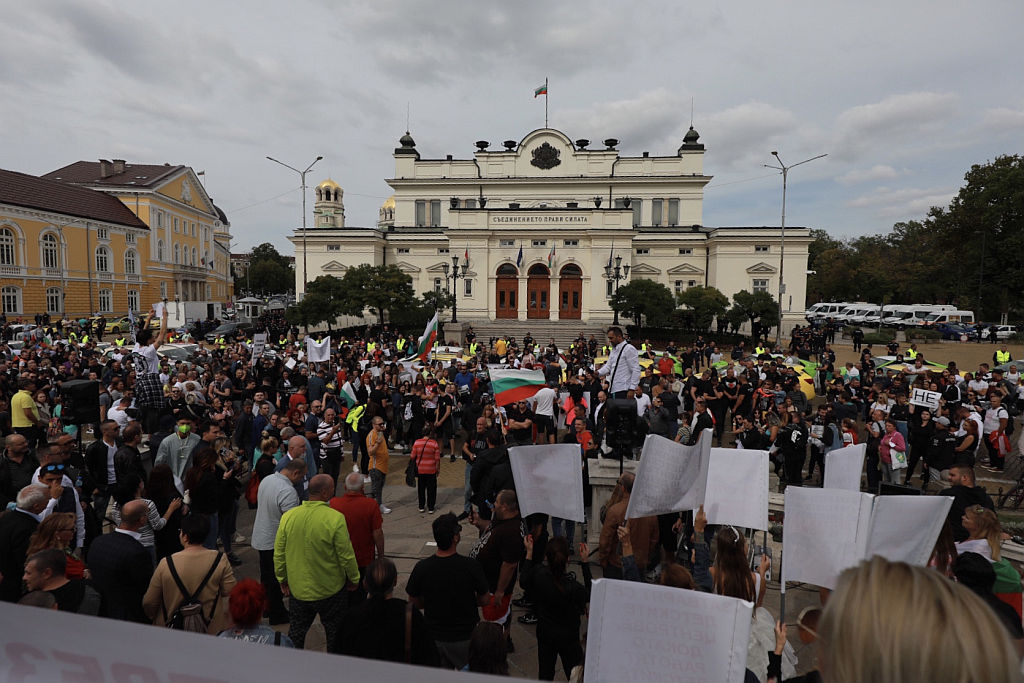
(220, 340)
(472, 348)
(354, 416)
(371, 346)
(911, 354)
(119, 342)
(1003, 357)
(759, 350)
(85, 339)
(643, 348)
(400, 344)
(605, 350)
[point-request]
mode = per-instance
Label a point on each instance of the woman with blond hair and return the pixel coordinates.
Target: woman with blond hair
(871, 630)
(984, 533)
(57, 530)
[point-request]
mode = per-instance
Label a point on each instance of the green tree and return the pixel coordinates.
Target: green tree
(378, 288)
(757, 307)
(268, 272)
(323, 302)
(704, 304)
(644, 298)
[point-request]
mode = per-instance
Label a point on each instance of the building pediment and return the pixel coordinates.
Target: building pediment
(762, 268)
(684, 269)
(406, 267)
(334, 267)
(644, 269)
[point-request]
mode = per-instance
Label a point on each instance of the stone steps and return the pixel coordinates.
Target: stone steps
(563, 331)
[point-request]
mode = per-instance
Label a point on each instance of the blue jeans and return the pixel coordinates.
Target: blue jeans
(563, 527)
(211, 538)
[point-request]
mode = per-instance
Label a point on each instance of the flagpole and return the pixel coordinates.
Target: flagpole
(545, 101)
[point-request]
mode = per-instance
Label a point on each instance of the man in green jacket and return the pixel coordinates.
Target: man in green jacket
(315, 564)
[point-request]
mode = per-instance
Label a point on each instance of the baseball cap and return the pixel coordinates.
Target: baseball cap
(942, 421)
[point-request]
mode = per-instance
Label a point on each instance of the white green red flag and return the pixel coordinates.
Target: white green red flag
(510, 386)
(542, 90)
(347, 394)
(426, 342)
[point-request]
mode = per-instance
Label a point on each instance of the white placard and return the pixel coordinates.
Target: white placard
(374, 371)
(90, 648)
(843, 467)
(737, 488)
(158, 309)
(318, 352)
(829, 530)
(259, 343)
(549, 479)
(671, 477)
(290, 363)
(923, 397)
(658, 634)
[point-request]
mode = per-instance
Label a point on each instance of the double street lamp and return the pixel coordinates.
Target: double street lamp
(302, 175)
(782, 248)
(615, 274)
(456, 274)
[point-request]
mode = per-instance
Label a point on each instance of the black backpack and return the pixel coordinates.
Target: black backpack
(189, 614)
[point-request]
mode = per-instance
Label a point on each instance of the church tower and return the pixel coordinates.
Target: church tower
(329, 210)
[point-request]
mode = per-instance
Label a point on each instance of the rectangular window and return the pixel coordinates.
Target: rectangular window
(159, 219)
(103, 233)
(53, 299)
(608, 289)
(761, 248)
(421, 213)
(10, 297)
(193, 229)
(106, 301)
(163, 290)
(468, 290)
(435, 213)
(506, 243)
(175, 224)
(570, 243)
(643, 252)
(133, 300)
(673, 212)
(470, 203)
(209, 291)
(656, 211)
(679, 286)
(444, 250)
(333, 247)
(540, 243)
(760, 285)
(403, 250)
(206, 233)
(685, 251)
(638, 205)
(691, 283)
(437, 284)
(129, 238)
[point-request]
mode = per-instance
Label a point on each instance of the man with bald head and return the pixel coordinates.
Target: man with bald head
(315, 564)
(17, 466)
(365, 526)
(297, 451)
(121, 566)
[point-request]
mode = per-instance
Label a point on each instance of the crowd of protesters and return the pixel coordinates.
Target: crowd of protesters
(99, 528)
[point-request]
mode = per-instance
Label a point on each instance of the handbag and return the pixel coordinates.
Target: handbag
(899, 459)
(410, 471)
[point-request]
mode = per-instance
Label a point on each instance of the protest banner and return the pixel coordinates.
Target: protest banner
(318, 352)
(671, 477)
(843, 467)
(81, 648)
(259, 344)
(923, 397)
(549, 479)
(660, 634)
(158, 309)
(737, 488)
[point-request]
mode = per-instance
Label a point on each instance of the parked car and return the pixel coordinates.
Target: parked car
(227, 330)
(955, 331)
(1002, 331)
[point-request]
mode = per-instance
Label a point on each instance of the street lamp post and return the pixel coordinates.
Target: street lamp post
(302, 175)
(615, 274)
(782, 247)
(456, 275)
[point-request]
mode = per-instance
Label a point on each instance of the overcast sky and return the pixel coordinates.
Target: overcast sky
(903, 96)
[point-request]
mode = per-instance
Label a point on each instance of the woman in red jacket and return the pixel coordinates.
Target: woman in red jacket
(426, 453)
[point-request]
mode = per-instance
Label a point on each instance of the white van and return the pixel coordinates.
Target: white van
(860, 316)
(898, 316)
(958, 317)
(874, 318)
(820, 312)
(843, 316)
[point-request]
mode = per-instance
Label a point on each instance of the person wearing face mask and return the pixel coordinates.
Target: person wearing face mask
(176, 450)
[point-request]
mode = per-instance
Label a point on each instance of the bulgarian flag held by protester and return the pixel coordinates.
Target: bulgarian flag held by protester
(347, 394)
(515, 385)
(426, 342)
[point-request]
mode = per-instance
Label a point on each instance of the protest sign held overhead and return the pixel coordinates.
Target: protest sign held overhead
(671, 477)
(843, 467)
(549, 479)
(737, 488)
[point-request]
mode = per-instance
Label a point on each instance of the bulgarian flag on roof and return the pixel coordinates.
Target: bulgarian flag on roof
(515, 385)
(426, 342)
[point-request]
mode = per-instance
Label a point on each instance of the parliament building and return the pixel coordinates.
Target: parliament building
(541, 219)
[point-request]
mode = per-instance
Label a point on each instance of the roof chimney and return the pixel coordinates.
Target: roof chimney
(118, 167)
(104, 168)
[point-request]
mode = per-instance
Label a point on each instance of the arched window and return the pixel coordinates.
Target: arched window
(177, 253)
(130, 262)
(193, 261)
(571, 270)
(54, 300)
(10, 299)
(507, 270)
(102, 260)
(538, 270)
(7, 253)
(160, 250)
(50, 252)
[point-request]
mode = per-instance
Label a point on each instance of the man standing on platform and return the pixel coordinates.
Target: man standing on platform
(623, 365)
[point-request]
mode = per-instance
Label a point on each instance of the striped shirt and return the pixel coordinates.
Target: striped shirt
(427, 455)
(154, 522)
(323, 431)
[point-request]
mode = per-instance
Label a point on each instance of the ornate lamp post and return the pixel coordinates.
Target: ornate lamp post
(615, 274)
(456, 274)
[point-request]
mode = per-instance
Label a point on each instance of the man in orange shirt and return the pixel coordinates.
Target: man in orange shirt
(365, 527)
(377, 447)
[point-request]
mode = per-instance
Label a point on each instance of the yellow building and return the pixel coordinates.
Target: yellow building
(186, 255)
(69, 250)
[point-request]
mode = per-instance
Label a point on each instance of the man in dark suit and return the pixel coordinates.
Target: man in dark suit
(99, 461)
(121, 567)
(16, 527)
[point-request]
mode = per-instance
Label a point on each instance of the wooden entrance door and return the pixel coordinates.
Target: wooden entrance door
(538, 292)
(507, 292)
(570, 293)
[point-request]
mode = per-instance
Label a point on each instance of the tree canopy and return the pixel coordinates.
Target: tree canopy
(644, 299)
(755, 307)
(377, 288)
(323, 302)
(269, 272)
(703, 305)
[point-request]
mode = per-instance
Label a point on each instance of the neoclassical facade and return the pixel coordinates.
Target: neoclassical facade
(540, 220)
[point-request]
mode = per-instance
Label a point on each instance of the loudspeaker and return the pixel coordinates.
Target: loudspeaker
(80, 400)
(620, 424)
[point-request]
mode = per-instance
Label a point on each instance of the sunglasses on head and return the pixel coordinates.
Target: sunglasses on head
(53, 468)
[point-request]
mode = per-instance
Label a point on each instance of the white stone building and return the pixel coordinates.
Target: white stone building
(567, 208)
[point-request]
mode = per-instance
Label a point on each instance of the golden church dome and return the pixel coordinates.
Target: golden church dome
(389, 203)
(329, 183)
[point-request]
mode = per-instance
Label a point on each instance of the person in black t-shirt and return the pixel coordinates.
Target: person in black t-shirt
(520, 423)
(474, 445)
(499, 551)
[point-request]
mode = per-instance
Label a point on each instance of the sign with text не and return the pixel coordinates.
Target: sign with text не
(923, 397)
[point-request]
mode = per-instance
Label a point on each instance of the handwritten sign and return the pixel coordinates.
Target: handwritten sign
(671, 477)
(259, 344)
(923, 397)
(549, 478)
(659, 634)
